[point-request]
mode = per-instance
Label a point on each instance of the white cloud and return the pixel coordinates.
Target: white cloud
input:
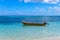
(42, 1)
(48, 11)
(46, 1)
(33, 1)
(26, 1)
(41, 11)
(51, 1)
(57, 9)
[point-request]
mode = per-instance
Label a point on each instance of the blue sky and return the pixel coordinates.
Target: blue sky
(25, 7)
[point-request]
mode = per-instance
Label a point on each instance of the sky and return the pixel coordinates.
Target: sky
(29, 7)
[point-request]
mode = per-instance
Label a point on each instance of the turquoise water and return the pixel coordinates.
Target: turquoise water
(16, 31)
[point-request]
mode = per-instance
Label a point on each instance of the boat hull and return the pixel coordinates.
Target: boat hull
(33, 24)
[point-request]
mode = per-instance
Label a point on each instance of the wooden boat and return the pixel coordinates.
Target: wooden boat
(34, 24)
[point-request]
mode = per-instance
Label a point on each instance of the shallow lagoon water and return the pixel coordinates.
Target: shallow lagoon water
(16, 31)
